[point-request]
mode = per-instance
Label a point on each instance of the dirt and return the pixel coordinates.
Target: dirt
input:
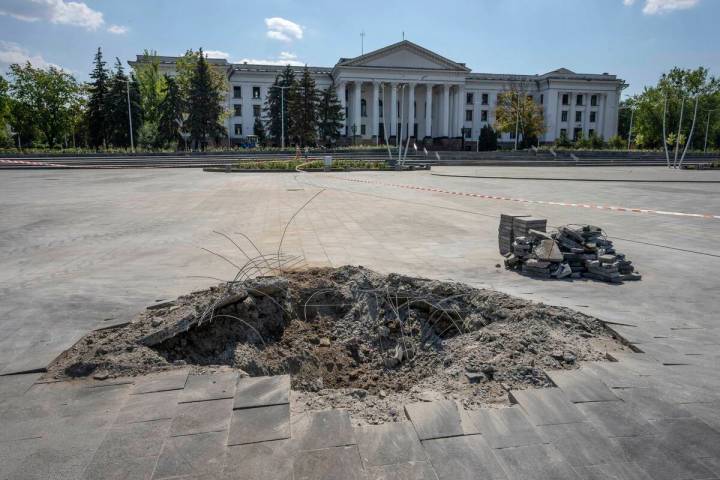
(352, 338)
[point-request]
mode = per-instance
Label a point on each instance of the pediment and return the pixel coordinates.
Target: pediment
(404, 54)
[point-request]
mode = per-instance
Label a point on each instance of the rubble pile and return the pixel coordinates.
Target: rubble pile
(574, 251)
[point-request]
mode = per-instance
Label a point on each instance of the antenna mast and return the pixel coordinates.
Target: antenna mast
(362, 42)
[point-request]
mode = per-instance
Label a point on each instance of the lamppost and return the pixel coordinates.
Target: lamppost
(132, 140)
(632, 116)
(282, 113)
(707, 128)
(354, 131)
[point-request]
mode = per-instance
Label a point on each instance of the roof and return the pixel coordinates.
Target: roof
(405, 45)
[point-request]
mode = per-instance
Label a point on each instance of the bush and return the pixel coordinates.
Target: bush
(616, 142)
(488, 139)
(563, 140)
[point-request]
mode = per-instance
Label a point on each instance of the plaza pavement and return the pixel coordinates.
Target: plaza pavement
(87, 249)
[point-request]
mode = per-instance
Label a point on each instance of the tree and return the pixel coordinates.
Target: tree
(516, 109)
(563, 140)
(205, 109)
(151, 85)
(46, 96)
(488, 139)
(117, 107)
(275, 109)
(170, 114)
(303, 110)
(330, 116)
(5, 137)
(259, 131)
(97, 103)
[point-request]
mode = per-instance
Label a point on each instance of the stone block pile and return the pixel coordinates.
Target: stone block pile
(574, 251)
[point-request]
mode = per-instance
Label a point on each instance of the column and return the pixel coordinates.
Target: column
(343, 103)
(375, 129)
(393, 110)
(445, 113)
(428, 110)
(460, 110)
(357, 119)
(411, 110)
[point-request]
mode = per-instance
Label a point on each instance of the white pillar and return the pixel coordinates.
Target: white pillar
(393, 110)
(343, 103)
(445, 114)
(357, 119)
(428, 110)
(375, 132)
(411, 110)
(460, 110)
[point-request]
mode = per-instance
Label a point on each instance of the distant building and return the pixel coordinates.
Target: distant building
(385, 88)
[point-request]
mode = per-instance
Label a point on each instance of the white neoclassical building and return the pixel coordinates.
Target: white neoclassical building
(406, 89)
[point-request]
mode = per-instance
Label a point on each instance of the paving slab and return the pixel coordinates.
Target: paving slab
(329, 428)
(16, 385)
(713, 464)
(707, 412)
(202, 417)
(652, 403)
(329, 464)
(614, 375)
(690, 435)
(96, 401)
(463, 458)
(613, 471)
(211, 386)
(160, 382)
(389, 444)
(402, 471)
(660, 462)
(506, 427)
(534, 462)
(202, 454)
(546, 406)
(271, 460)
(617, 419)
(14, 453)
(581, 386)
(435, 419)
(259, 424)
(262, 391)
(581, 444)
(149, 406)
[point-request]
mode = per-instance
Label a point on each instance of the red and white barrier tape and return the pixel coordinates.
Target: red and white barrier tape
(31, 163)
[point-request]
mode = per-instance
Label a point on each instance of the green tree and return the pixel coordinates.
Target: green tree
(330, 116)
(303, 110)
(488, 139)
(47, 96)
(117, 107)
(170, 114)
(97, 115)
(259, 131)
(275, 109)
(204, 100)
(5, 137)
(563, 140)
(517, 109)
(151, 84)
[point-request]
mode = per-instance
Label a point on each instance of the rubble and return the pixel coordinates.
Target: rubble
(575, 251)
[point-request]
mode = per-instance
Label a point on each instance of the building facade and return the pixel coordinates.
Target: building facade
(406, 89)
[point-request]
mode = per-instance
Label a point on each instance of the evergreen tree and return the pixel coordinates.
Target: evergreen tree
(259, 131)
(97, 103)
(273, 110)
(117, 107)
(170, 113)
(303, 110)
(488, 139)
(330, 116)
(204, 105)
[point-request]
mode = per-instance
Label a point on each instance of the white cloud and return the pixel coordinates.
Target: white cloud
(59, 12)
(656, 7)
(117, 29)
(216, 54)
(283, 29)
(11, 52)
(287, 56)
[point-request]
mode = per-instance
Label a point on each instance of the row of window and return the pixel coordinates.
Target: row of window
(577, 133)
(237, 92)
(579, 99)
(469, 115)
(578, 116)
(237, 110)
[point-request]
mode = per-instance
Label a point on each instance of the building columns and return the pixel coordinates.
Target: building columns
(445, 113)
(393, 110)
(460, 113)
(357, 119)
(428, 110)
(375, 129)
(343, 103)
(411, 110)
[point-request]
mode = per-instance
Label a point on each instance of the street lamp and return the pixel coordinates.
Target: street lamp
(282, 113)
(707, 127)
(132, 140)
(632, 115)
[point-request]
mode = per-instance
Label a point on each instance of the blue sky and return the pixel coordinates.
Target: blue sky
(635, 39)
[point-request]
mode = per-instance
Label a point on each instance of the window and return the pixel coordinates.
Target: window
(468, 115)
(238, 129)
(362, 129)
(237, 91)
(577, 134)
(469, 98)
(579, 100)
(591, 132)
(563, 132)
(563, 116)
(256, 111)
(363, 108)
(485, 98)
(578, 116)
(542, 99)
(566, 99)
(484, 115)
(467, 131)
(237, 110)
(593, 101)
(592, 117)
(256, 93)
(380, 106)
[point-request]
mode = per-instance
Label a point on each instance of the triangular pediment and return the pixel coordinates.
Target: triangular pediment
(403, 54)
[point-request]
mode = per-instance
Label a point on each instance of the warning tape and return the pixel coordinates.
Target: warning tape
(536, 202)
(28, 162)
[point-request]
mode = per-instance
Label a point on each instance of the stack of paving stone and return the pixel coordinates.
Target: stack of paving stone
(574, 251)
(505, 232)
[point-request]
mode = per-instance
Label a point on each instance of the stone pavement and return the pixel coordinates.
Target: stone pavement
(82, 250)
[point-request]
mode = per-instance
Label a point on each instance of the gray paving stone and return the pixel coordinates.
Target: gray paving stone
(16, 385)
(161, 382)
(580, 444)
(149, 406)
(271, 460)
(202, 454)
(547, 406)
(260, 424)
(389, 444)
(707, 412)
(581, 386)
(660, 462)
(211, 386)
(617, 419)
(713, 464)
(534, 462)
(96, 401)
(329, 428)
(613, 471)
(329, 464)
(614, 375)
(202, 417)
(505, 427)
(262, 391)
(435, 419)
(689, 434)
(402, 471)
(14, 453)
(463, 458)
(651, 403)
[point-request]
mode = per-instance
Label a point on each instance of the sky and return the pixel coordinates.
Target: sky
(636, 40)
